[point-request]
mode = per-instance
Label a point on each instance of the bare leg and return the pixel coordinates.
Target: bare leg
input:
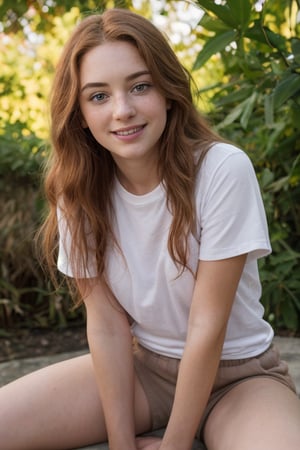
(58, 407)
(260, 414)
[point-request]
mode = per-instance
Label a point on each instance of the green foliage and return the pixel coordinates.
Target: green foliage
(252, 59)
(21, 152)
(15, 16)
(257, 105)
(26, 297)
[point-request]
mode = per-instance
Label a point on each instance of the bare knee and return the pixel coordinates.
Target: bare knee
(259, 413)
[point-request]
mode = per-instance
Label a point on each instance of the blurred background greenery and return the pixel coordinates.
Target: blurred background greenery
(245, 58)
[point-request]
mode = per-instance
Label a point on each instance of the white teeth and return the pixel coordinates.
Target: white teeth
(128, 132)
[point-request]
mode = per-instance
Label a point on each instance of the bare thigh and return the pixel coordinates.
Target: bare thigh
(260, 414)
(58, 407)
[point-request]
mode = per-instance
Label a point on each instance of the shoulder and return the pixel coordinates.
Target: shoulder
(224, 161)
(223, 154)
(226, 174)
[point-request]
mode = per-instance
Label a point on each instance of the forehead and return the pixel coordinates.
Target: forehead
(110, 59)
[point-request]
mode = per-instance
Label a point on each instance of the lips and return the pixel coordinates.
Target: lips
(129, 131)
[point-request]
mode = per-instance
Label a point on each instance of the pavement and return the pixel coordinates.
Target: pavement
(10, 370)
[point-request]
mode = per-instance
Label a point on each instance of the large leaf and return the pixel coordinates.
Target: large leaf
(275, 40)
(221, 11)
(212, 24)
(266, 36)
(213, 46)
(286, 89)
(242, 110)
(241, 11)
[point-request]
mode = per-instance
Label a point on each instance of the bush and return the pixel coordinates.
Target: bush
(26, 297)
(257, 105)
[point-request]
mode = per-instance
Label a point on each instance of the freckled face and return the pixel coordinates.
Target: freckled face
(119, 102)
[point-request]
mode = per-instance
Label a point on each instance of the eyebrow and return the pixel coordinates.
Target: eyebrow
(130, 77)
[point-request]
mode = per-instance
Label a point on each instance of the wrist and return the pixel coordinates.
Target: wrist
(122, 442)
(121, 445)
(175, 442)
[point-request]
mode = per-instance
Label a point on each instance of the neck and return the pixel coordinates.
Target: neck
(138, 182)
(138, 177)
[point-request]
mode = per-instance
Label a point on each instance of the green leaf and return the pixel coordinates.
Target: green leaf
(242, 110)
(256, 33)
(236, 96)
(213, 46)
(267, 177)
(279, 184)
(278, 128)
(275, 39)
(295, 114)
(234, 114)
(289, 314)
(221, 11)
(264, 35)
(241, 11)
(286, 89)
(296, 49)
(269, 110)
(248, 109)
(211, 24)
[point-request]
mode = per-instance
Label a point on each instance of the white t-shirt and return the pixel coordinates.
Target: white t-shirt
(230, 221)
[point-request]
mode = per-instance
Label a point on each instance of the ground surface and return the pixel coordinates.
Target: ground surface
(39, 342)
(28, 343)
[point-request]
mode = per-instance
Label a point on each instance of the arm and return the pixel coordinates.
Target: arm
(110, 343)
(213, 296)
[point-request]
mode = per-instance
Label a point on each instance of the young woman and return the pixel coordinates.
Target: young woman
(159, 224)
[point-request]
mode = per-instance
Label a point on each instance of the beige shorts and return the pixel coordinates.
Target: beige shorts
(158, 375)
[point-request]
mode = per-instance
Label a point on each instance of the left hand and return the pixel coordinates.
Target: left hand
(148, 443)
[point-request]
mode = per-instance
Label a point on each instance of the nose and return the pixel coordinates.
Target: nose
(123, 107)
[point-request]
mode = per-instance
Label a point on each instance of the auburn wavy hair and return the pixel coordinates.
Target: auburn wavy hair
(80, 172)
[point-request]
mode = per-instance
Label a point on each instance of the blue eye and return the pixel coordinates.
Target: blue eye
(99, 97)
(141, 87)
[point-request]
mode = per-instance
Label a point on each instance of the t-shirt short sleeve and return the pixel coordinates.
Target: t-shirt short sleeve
(231, 215)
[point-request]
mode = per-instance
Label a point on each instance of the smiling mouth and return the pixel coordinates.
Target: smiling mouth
(129, 132)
